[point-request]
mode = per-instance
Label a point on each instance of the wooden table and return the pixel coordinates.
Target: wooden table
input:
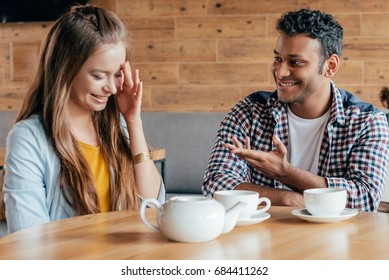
(122, 235)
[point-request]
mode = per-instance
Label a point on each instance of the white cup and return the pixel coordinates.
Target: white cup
(251, 199)
(325, 202)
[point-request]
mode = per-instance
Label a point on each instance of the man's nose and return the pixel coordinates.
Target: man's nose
(282, 70)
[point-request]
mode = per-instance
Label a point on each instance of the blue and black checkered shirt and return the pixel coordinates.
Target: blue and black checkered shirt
(354, 151)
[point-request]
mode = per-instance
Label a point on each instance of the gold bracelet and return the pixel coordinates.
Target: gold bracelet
(142, 157)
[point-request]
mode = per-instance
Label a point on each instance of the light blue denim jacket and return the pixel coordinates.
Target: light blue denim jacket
(32, 193)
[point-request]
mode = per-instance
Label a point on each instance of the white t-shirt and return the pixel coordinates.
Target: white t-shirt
(305, 137)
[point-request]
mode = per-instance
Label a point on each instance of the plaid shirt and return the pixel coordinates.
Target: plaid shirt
(353, 154)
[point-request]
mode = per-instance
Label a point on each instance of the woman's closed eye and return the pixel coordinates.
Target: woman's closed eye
(97, 77)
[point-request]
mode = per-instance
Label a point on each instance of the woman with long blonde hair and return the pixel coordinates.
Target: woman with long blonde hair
(78, 146)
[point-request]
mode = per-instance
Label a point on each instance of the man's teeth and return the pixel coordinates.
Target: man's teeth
(287, 84)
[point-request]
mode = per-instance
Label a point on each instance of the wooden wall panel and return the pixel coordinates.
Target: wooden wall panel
(24, 32)
(19, 49)
(204, 55)
(366, 49)
(150, 8)
(221, 27)
(1, 75)
(150, 28)
(226, 7)
(351, 24)
(107, 5)
(11, 98)
(23, 60)
(246, 50)
(375, 25)
(347, 6)
(223, 73)
(376, 73)
(247, 90)
(350, 73)
(174, 51)
(271, 26)
(146, 98)
(4, 62)
(157, 74)
(194, 98)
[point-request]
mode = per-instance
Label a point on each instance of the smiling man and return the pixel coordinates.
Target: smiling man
(306, 134)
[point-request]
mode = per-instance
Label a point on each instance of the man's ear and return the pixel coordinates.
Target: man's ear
(332, 66)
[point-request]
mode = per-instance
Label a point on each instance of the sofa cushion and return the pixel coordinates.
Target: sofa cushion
(188, 139)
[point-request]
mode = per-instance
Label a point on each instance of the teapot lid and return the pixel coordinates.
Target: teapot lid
(191, 198)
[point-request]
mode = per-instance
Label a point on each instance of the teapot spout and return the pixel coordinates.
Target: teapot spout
(232, 216)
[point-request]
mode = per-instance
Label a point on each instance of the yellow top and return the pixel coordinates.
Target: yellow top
(98, 166)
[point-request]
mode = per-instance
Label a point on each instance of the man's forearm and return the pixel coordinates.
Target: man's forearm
(277, 197)
(299, 180)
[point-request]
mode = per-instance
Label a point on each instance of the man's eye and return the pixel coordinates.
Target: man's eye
(97, 77)
(295, 62)
(277, 59)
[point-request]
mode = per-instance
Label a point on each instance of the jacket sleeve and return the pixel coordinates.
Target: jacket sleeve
(24, 183)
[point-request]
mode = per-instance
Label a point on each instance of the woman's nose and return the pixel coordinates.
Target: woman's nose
(110, 87)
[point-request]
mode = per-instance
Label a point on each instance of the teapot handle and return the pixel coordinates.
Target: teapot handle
(143, 206)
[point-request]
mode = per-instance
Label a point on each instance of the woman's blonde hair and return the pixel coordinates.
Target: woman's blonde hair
(71, 40)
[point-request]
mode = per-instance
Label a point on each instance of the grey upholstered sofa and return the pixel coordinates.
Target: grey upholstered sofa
(188, 139)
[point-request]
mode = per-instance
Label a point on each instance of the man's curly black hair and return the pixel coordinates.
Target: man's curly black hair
(316, 25)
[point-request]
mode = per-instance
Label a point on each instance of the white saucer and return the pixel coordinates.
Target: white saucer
(303, 213)
(255, 219)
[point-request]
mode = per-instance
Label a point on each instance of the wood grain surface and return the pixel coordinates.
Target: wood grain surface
(122, 235)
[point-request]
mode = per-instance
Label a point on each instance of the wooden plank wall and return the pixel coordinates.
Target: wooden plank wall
(205, 55)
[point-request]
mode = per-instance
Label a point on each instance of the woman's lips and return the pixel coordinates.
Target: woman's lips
(100, 98)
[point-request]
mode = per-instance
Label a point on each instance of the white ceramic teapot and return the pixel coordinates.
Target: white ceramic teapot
(191, 218)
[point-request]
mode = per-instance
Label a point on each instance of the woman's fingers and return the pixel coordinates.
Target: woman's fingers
(137, 82)
(140, 90)
(127, 73)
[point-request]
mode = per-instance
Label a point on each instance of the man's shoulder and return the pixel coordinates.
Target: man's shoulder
(254, 102)
(350, 100)
(253, 106)
(261, 97)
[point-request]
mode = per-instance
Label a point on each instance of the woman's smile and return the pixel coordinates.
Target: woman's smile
(100, 98)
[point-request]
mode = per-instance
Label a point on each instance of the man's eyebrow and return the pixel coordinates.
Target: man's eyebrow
(290, 55)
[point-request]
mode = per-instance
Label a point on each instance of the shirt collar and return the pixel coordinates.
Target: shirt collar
(337, 111)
